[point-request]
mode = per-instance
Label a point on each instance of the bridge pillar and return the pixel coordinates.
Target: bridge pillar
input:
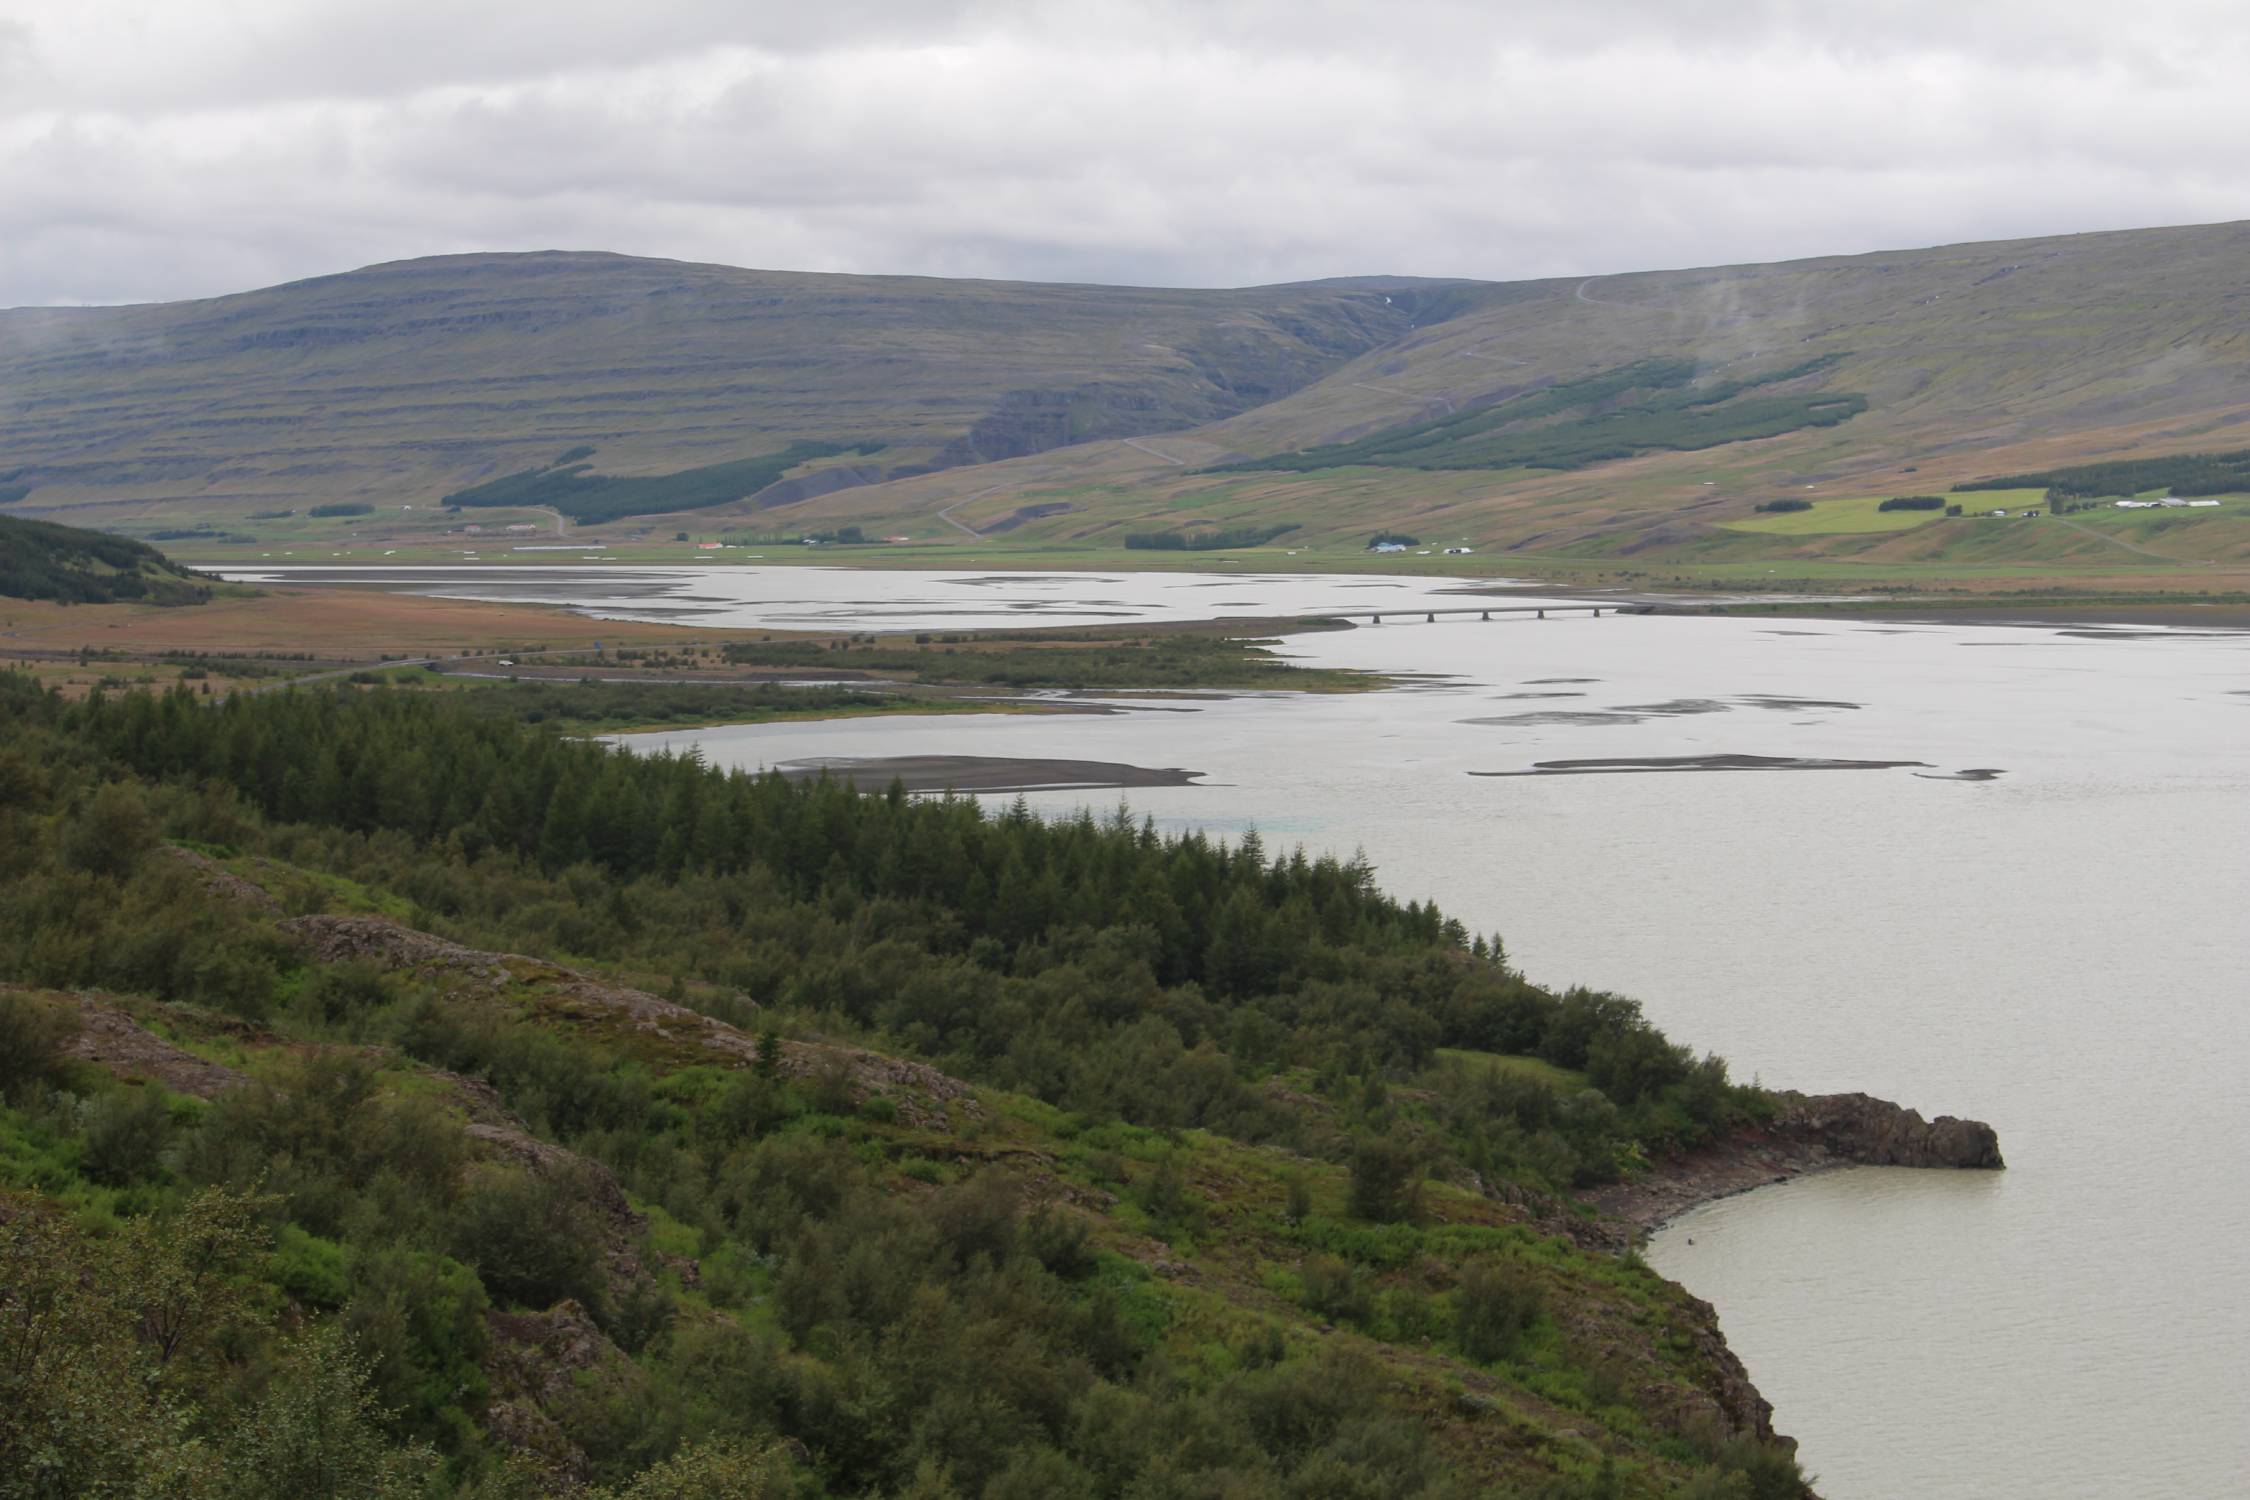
(1597, 611)
(1432, 618)
(1542, 614)
(1378, 619)
(1486, 616)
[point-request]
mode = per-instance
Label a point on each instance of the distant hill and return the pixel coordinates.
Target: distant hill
(1561, 417)
(1612, 420)
(423, 377)
(40, 560)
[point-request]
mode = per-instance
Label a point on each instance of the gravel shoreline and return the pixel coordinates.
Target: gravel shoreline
(985, 773)
(1808, 1134)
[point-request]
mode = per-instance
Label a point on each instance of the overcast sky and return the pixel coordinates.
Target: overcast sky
(187, 147)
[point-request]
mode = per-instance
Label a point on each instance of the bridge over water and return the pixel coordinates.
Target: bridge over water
(1486, 612)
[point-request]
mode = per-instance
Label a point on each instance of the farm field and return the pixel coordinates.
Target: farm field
(315, 625)
(1864, 513)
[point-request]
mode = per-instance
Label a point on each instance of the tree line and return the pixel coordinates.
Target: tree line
(42, 560)
(1569, 424)
(2181, 473)
(570, 486)
(1207, 541)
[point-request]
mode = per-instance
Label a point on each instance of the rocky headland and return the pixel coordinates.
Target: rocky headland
(1808, 1133)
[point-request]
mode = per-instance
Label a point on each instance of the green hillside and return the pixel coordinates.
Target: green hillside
(962, 1153)
(41, 560)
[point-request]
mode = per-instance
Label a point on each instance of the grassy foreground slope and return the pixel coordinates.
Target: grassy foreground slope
(1193, 1158)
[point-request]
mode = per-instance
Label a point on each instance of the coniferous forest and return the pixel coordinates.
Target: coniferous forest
(2177, 473)
(43, 560)
(406, 1099)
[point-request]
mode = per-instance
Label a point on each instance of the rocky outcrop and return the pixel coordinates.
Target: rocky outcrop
(621, 1224)
(1808, 1133)
(921, 1094)
(549, 1159)
(1740, 1404)
(1736, 1404)
(540, 1365)
(385, 944)
(1875, 1132)
(111, 1039)
(222, 882)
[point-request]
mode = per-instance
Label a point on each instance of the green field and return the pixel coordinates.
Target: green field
(1535, 1069)
(1863, 513)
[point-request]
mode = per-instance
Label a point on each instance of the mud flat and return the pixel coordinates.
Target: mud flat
(1617, 765)
(984, 773)
(2164, 617)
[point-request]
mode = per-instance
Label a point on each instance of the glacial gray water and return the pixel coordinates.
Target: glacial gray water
(2043, 921)
(2058, 947)
(810, 597)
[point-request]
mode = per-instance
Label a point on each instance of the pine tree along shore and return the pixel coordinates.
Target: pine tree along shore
(406, 1100)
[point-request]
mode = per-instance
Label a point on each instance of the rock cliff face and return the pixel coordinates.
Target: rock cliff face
(1875, 1132)
(1742, 1409)
(110, 1038)
(541, 1363)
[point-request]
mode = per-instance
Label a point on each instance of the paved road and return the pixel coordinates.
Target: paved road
(946, 515)
(1580, 294)
(1136, 443)
(2118, 541)
(1386, 390)
(382, 666)
(440, 662)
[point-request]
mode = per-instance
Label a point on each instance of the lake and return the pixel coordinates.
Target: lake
(838, 598)
(2060, 949)
(2057, 945)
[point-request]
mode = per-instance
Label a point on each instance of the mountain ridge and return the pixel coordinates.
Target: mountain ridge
(422, 374)
(1069, 416)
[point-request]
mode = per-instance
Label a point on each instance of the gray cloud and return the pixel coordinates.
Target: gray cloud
(157, 150)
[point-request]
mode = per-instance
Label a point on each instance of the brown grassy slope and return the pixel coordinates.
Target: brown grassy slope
(410, 379)
(1976, 359)
(335, 624)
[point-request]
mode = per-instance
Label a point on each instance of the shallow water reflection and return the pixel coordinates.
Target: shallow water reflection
(843, 598)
